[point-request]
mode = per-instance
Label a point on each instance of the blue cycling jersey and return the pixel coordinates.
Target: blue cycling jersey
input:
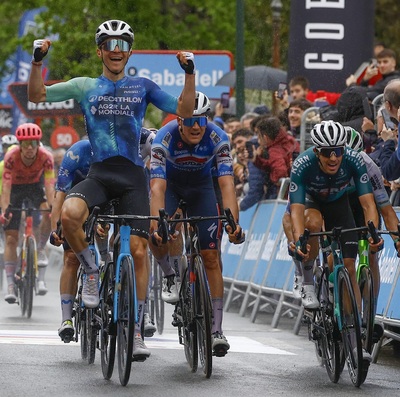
(187, 164)
(74, 166)
(113, 111)
(79, 157)
(308, 178)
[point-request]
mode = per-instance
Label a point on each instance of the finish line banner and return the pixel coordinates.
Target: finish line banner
(329, 39)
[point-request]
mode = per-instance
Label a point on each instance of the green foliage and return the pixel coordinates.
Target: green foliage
(161, 24)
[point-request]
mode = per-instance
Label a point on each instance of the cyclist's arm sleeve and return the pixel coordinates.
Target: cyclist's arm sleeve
(71, 89)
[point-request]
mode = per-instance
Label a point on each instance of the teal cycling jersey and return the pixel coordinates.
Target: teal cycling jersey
(308, 178)
(113, 111)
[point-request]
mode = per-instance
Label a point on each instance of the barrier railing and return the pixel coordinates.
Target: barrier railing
(258, 274)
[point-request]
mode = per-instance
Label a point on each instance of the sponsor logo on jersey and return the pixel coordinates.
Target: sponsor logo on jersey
(364, 178)
(224, 151)
(167, 140)
(293, 187)
(215, 138)
(158, 154)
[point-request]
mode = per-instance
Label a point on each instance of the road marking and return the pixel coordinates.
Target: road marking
(239, 344)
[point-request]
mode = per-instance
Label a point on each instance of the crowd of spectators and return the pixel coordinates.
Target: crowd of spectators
(264, 144)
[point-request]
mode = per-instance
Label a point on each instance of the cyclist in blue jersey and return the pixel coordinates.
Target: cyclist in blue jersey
(318, 194)
(73, 169)
(114, 106)
(183, 155)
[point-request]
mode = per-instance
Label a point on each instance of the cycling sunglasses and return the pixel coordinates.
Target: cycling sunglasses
(200, 120)
(328, 151)
(110, 45)
(27, 143)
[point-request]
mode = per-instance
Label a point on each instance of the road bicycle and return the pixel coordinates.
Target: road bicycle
(335, 326)
(117, 312)
(26, 277)
(193, 311)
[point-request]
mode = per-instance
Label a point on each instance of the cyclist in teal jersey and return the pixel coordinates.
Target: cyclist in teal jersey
(318, 194)
(114, 106)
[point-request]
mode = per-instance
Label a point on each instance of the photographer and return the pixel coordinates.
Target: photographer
(243, 141)
(275, 153)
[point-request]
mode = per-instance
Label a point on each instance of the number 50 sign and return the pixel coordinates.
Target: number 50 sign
(63, 136)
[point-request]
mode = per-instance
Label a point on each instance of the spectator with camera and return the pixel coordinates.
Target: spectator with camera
(385, 65)
(275, 153)
(244, 143)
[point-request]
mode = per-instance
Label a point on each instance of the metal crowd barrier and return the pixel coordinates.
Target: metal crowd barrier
(258, 274)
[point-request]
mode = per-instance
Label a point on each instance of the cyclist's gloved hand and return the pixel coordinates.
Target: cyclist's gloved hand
(236, 236)
(376, 247)
(186, 60)
(55, 239)
(40, 49)
(5, 220)
(297, 255)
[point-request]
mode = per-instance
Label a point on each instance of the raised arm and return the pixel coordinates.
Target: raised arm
(186, 101)
(36, 87)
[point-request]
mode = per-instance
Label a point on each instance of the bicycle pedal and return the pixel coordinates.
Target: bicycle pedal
(139, 358)
(220, 352)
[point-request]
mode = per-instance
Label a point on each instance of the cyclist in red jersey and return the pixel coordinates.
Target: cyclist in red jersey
(28, 175)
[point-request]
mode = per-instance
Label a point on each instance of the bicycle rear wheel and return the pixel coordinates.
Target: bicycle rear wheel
(108, 335)
(203, 316)
(189, 325)
(126, 320)
(351, 335)
(326, 331)
(30, 275)
(366, 285)
(156, 303)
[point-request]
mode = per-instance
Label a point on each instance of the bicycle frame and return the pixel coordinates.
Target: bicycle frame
(124, 238)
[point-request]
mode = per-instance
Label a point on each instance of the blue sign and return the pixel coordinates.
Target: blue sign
(163, 68)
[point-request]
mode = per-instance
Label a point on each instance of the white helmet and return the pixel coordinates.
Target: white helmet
(328, 134)
(114, 28)
(354, 139)
(202, 104)
(9, 140)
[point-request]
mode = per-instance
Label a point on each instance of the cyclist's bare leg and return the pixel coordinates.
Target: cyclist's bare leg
(374, 266)
(74, 213)
(213, 270)
(68, 283)
(350, 264)
(10, 254)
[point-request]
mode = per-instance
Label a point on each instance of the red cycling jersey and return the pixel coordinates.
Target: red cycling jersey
(17, 173)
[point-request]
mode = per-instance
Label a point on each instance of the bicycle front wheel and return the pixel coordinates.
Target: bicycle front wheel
(156, 302)
(351, 335)
(203, 316)
(126, 320)
(189, 326)
(108, 332)
(30, 275)
(366, 285)
(326, 331)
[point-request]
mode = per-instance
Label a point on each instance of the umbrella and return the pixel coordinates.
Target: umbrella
(258, 77)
